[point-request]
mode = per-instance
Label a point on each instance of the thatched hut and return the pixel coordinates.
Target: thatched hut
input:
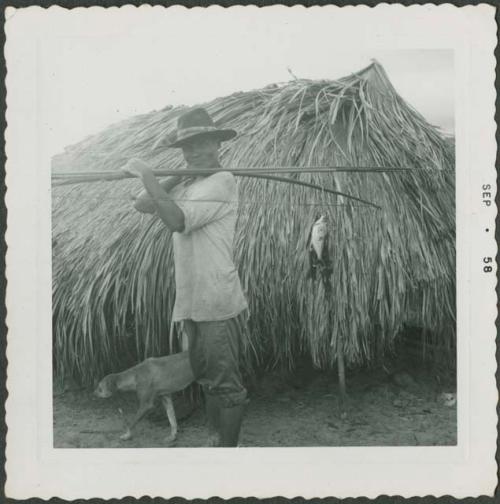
(113, 285)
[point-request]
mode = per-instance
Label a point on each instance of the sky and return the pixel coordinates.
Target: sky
(98, 73)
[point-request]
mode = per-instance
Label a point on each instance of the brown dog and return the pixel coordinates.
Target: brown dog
(152, 378)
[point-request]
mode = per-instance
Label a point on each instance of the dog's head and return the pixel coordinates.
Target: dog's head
(106, 387)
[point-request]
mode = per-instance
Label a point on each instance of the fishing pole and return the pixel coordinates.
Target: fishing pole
(75, 178)
(117, 175)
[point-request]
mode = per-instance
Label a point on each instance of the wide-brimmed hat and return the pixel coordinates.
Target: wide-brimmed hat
(194, 123)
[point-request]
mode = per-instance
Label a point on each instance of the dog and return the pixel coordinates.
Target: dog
(155, 377)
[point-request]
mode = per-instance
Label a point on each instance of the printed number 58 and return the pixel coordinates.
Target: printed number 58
(486, 260)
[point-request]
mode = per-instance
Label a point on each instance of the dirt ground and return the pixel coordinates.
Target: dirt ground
(381, 410)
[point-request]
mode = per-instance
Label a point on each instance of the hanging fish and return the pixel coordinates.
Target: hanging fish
(316, 241)
(317, 244)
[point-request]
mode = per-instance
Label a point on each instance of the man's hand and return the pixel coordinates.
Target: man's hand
(136, 167)
(164, 206)
(144, 204)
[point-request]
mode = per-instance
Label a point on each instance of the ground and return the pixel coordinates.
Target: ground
(404, 409)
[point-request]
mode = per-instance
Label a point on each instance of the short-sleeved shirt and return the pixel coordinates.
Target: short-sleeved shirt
(207, 283)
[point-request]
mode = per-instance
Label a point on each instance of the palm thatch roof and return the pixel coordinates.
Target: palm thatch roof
(113, 286)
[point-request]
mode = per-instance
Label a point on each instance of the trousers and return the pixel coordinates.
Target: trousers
(215, 351)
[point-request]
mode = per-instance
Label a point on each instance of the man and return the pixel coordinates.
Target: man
(201, 214)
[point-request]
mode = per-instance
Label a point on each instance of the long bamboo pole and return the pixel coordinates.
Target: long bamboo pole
(97, 176)
(77, 178)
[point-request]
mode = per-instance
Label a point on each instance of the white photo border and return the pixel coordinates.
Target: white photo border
(35, 469)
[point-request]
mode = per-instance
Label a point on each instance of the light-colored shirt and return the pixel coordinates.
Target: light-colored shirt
(207, 282)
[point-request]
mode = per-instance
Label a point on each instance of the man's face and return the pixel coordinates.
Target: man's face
(201, 152)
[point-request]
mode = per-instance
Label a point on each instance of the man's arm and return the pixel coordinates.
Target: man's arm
(165, 207)
(145, 204)
(214, 201)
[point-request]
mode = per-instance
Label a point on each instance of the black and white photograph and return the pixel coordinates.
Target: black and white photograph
(254, 237)
(307, 257)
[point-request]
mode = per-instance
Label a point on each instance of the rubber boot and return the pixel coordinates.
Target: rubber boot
(230, 424)
(212, 410)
